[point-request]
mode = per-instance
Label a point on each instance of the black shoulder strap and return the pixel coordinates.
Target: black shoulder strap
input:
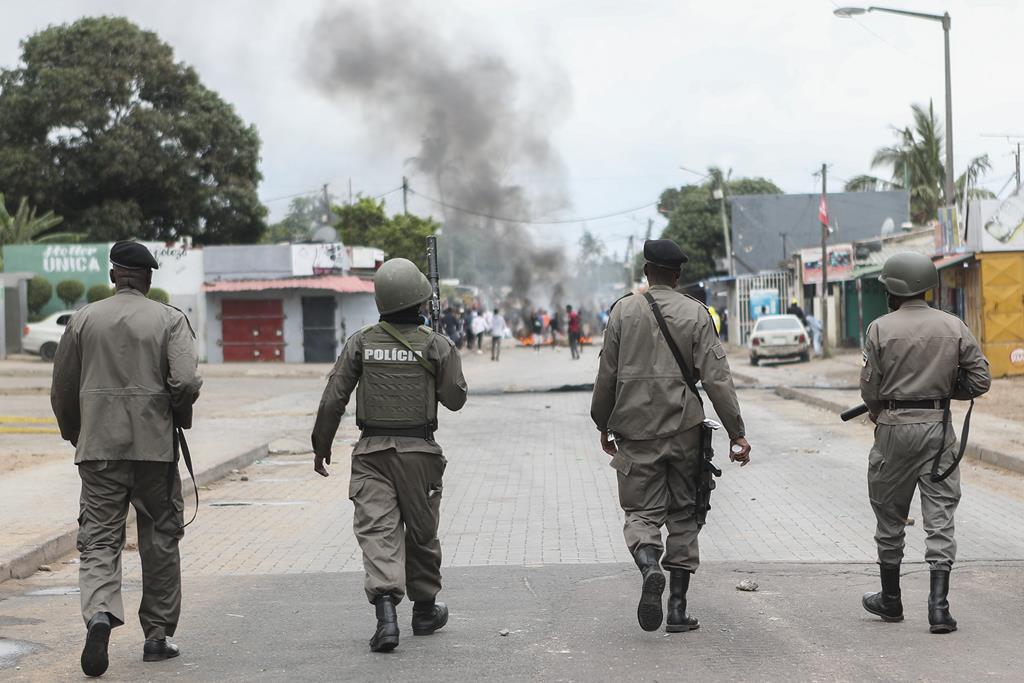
(397, 336)
(680, 361)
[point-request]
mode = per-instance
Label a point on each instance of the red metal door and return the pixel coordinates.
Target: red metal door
(253, 330)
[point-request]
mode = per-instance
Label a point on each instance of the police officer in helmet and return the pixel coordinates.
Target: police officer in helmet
(916, 359)
(399, 370)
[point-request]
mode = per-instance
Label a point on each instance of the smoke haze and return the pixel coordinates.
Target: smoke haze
(478, 132)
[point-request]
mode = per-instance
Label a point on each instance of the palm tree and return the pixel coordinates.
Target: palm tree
(26, 227)
(918, 166)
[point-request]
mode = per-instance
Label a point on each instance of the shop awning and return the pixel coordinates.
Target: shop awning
(952, 260)
(345, 284)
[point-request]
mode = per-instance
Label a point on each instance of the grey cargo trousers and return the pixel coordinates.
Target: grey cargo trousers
(900, 461)
(658, 487)
(397, 499)
(154, 490)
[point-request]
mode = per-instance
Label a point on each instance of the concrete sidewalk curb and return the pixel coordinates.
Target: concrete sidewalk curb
(64, 541)
(1007, 461)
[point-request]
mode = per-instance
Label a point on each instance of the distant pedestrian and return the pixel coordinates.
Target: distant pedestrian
(574, 331)
(814, 328)
(556, 329)
(450, 324)
(124, 381)
(794, 309)
(538, 329)
(478, 329)
(497, 332)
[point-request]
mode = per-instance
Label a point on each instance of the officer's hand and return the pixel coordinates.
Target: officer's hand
(741, 454)
(318, 465)
(607, 445)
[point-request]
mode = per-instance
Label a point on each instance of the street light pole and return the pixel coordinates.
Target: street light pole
(849, 12)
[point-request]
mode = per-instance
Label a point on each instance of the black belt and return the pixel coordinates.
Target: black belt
(931, 404)
(424, 432)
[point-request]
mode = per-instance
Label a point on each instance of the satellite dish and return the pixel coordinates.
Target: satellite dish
(888, 227)
(325, 234)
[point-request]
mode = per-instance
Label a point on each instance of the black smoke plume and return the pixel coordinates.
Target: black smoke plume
(480, 131)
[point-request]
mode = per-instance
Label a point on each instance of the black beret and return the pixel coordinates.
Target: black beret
(664, 253)
(132, 255)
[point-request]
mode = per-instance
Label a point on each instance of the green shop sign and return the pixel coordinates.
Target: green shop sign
(88, 263)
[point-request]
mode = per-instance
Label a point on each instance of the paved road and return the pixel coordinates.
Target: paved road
(532, 541)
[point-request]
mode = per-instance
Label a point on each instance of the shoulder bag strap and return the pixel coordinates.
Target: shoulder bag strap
(397, 336)
(936, 477)
(683, 367)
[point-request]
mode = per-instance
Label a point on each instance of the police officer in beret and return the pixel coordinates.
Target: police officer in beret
(399, 370)
(651, 424)
(916, 359)
(123, 375)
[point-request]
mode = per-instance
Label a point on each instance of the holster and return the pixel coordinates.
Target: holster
(706, 474)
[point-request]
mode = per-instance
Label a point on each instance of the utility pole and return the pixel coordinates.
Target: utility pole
(350, 192)
(405, 195)
(327, 207)
(719, 194)
(1017, 164)
(824, 263)
(785, 251)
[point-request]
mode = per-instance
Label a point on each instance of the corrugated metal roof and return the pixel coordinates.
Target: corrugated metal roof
(346, 284)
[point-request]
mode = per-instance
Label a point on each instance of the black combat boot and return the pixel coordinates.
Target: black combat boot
(428, 616)
(677, 620)
(649, 612)
(887, 603)
(385, 638)
(158, 649)
(939, 618)
(94, 654)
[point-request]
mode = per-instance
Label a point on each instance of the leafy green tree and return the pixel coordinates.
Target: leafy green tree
(695, 222)
(39, 293)
(70, 291)
(98, 293)
(305, 215)
(99, 122)
(917, 161)
(365, 223)
(161, 295)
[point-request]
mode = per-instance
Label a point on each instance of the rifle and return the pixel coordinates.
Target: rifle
(432, 276)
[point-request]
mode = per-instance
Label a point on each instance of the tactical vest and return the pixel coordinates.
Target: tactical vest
(395, 391)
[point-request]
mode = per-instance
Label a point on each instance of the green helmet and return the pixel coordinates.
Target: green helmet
(399, 285)
(908, 274)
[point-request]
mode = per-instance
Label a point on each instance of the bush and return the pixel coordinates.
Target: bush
(39, 292)
(70, 291)
(157, 294)
(98, 293)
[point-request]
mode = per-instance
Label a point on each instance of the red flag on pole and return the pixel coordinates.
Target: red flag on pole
(823, 211)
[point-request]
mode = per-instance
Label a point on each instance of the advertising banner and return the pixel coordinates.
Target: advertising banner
(840, 263)
(996, 225)
(329, 258)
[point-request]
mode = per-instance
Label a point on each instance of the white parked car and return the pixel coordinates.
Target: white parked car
(41, 338)
(779, 336)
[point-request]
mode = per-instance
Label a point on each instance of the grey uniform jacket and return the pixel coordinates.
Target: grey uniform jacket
(450, 386)
(123, 367)
(639, 392)
(915, 353)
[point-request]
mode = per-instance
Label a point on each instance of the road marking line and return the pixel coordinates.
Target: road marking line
(26, 420)
(28, 430)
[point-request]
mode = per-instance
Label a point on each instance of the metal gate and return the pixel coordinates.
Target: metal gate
(319, 335)
(779, 280)
(252, 330)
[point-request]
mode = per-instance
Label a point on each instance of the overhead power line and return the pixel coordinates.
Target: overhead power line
(530, 221)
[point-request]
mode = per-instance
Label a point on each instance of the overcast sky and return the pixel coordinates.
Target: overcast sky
(770, 89)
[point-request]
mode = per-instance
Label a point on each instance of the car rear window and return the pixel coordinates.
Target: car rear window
(63, 320)
(777, 324)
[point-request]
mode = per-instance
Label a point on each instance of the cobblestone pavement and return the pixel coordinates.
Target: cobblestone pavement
(527, 487)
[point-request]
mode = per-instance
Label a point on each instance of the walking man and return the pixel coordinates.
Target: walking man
(497, 332)
(651, 420)
(399, 370)
(123, 378)
(573, 326)
(916, 359)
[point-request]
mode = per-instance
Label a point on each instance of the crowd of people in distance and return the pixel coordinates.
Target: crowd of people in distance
(468, 327)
